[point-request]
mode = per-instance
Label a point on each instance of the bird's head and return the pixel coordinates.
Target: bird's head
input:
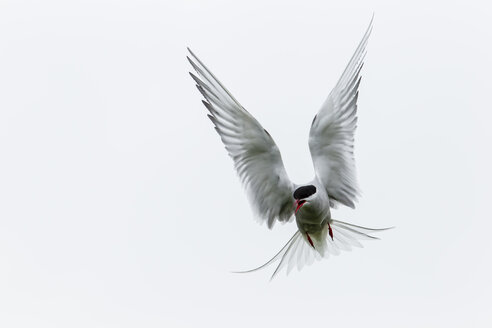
(303, 195)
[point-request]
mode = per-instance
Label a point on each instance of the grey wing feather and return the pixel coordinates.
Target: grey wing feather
(331, 139)
(256, 157)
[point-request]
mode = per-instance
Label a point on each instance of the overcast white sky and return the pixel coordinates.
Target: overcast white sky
(119, 206)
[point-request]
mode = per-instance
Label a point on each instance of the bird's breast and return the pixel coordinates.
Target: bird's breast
(312, 218)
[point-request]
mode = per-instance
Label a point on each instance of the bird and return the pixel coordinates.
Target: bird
(258, 163)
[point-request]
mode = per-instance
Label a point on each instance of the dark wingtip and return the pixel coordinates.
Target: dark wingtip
(191, 52)
(189, 59)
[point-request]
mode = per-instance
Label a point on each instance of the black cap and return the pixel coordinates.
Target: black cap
(304, 192)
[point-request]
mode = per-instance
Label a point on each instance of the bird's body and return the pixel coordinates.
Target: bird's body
(259, 165)
(315, 212)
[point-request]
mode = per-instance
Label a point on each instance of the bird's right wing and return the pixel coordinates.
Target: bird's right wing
(256, 157)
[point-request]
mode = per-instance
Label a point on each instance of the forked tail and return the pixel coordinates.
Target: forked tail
(298, 252)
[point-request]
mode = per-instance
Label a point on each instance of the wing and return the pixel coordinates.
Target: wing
(331, 139)
(256, 157)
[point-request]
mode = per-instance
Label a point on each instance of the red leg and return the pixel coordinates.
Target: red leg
(330, 231)
(309, 239)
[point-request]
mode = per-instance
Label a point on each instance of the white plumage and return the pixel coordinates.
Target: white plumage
(259, 164)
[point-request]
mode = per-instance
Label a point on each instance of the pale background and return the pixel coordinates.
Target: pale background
(120, 208)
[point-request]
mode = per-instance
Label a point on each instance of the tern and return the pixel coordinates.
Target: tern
(273, 196)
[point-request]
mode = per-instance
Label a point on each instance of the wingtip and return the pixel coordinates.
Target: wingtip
(371, 25)
(195, 78)
(191, 52)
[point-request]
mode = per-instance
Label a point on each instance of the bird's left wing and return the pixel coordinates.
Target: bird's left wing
(331, 139)
(256, 157)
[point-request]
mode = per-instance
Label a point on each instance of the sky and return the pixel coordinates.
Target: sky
(119, 206)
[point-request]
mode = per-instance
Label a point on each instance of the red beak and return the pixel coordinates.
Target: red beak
(299, 204)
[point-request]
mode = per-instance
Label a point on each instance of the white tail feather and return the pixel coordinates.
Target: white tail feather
(298, 252)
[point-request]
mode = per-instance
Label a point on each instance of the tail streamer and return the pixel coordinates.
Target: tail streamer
(298, 252)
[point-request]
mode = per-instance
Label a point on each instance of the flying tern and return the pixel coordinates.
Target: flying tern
(273, 196)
